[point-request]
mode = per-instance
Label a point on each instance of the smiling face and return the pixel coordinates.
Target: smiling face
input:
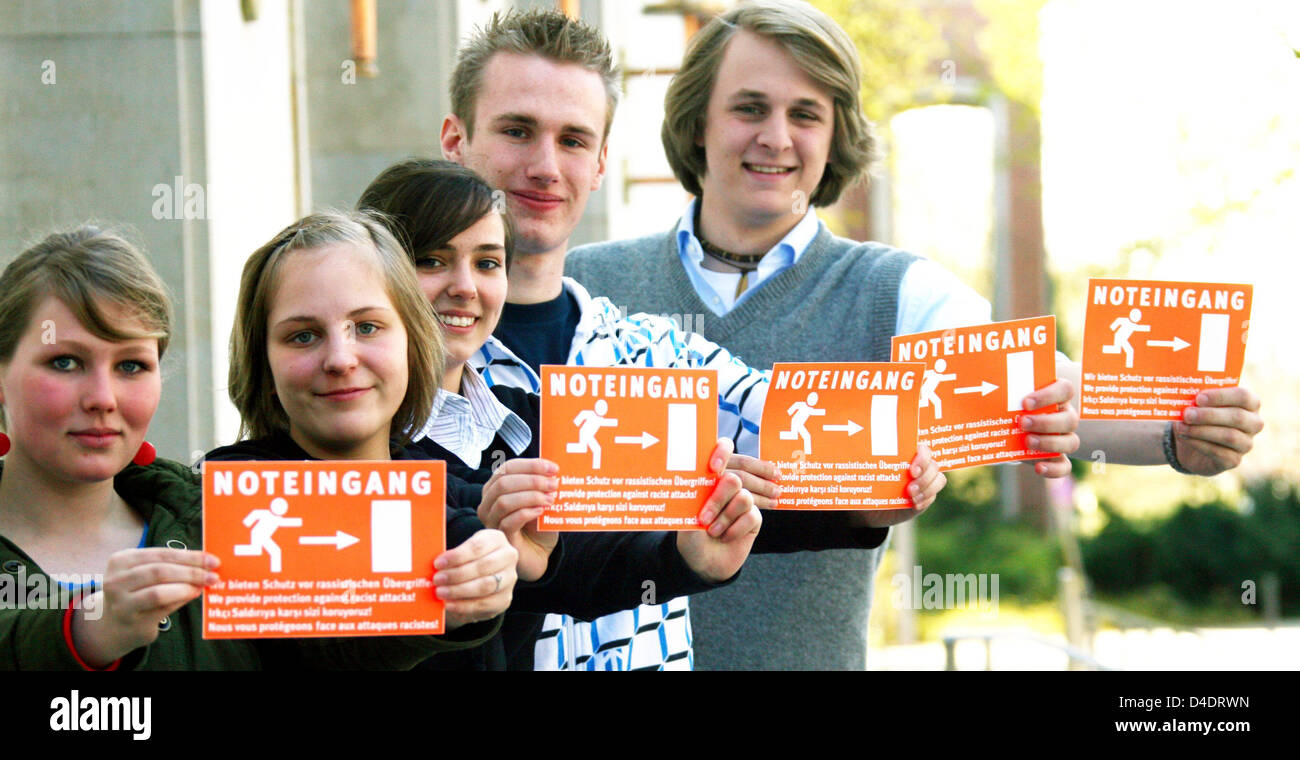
(77, 406)
(465, 281)
(766, 138)
(337, 351)
(539, 137)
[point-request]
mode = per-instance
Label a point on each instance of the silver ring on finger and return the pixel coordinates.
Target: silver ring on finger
(497, 578)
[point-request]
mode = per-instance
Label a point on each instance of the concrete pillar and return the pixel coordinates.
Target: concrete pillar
(115, 112)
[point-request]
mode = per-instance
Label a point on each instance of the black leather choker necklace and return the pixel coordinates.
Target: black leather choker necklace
(745, 262)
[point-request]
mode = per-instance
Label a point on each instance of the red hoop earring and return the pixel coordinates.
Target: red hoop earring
(145, 456)
(4, 444)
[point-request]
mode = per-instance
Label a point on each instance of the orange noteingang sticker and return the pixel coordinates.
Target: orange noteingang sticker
(1150, 346)
(842, 434)
(323, 548)
(973, 389)
(632, 445)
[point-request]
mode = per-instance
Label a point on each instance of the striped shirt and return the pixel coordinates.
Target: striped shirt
(466, 424)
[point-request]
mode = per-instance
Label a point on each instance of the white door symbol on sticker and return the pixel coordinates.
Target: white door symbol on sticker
(390, 536)
(1212, 347)
(884, 426)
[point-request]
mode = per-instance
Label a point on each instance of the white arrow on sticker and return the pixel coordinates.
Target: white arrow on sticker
(850, 428)
(645, 439)
(1177, 344)
(340, 540)
(984, 388)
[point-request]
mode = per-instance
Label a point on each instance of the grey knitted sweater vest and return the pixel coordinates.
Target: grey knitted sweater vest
(839, 302)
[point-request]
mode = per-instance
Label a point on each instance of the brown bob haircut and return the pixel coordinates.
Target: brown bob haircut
(84, 267)
(425, 202)
(819, 47)
(252, 387)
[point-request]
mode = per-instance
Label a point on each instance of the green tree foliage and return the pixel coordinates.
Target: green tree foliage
(1010, 44)
(899, 48)
(903, 49)
(1206, 552)
(964, 532)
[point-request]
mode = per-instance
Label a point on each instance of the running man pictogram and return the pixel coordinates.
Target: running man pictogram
(589, 422)
(799, 413)
(930, 382)
(264, 523)
(1124, 327)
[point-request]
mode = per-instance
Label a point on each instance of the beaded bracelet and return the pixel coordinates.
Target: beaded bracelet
(1171, 454)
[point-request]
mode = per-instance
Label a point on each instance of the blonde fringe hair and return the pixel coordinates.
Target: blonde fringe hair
(251, 383)
(547, 33)
(84, 267)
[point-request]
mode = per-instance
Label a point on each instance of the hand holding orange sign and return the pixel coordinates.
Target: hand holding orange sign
(476, 580)
(973, 391)
(1150, 347)
(813, 424)
(1052, 431)
(141, 587)
(631, 444)
(762, 479)
(730, 520)
(1217, 430)
(514, 498)
(337, 548)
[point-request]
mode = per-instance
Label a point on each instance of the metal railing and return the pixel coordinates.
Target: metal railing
(951, 638)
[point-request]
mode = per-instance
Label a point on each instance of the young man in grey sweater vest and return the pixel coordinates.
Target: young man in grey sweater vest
(763, 121)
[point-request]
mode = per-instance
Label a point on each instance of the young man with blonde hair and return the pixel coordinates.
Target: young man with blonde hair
(762, 123)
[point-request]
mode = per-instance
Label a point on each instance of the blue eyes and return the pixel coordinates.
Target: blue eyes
(71, 364)
(307, 337)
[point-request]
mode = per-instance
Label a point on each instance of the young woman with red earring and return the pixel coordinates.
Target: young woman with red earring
(98, 537)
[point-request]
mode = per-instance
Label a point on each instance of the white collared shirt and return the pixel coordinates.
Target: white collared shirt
(718, 289)
(929, 296)
(466, 424)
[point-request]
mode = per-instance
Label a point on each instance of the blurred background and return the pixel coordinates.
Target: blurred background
(1029, 145)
